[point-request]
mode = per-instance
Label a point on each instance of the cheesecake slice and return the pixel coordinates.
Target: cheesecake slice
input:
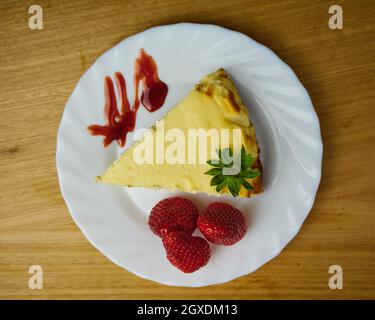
(179, 159)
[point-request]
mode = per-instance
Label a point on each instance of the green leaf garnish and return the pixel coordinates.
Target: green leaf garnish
(248, 161)
(226, 161)
(215, 163)
(214, 171)
(217, 180)
(246, 184)
(250, 173)
(221, 185)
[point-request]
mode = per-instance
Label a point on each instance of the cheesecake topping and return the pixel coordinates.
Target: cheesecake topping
(154, 91)
(118, 123)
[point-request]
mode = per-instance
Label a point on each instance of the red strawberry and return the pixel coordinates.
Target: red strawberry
(222, 224)
(174, 213)
(186, 252)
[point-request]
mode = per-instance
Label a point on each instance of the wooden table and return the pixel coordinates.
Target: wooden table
(39, 69)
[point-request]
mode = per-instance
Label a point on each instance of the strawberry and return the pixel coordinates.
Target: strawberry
(186, 252)
(175, 213)
(222, 224)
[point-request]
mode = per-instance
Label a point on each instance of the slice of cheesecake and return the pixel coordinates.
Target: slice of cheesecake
(173, 154)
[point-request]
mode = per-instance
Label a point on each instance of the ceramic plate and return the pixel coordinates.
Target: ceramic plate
(114, 219)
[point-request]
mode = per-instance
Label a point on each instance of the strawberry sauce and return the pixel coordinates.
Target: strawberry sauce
(119, 123)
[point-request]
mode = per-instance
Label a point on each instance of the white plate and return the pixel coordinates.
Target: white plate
(114, 219)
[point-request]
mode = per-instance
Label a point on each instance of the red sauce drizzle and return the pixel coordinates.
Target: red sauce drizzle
(119, 123)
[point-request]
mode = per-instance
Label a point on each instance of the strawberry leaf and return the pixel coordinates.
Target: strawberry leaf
(232, 189)
(246, 184)
(243, 154)
(215, 163)
(221, 185)
(214, 171)
(217, 180)
(249, 173)
(247, 163)
(233, 179)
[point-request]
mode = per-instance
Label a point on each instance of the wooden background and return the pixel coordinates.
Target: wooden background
(39, 69)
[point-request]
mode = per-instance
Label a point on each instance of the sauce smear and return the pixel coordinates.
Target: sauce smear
(119, 123)
(154, 91)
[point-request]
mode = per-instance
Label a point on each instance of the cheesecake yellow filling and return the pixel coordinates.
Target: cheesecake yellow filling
(177, 161)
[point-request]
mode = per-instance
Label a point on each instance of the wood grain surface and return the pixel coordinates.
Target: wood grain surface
(39, 69)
